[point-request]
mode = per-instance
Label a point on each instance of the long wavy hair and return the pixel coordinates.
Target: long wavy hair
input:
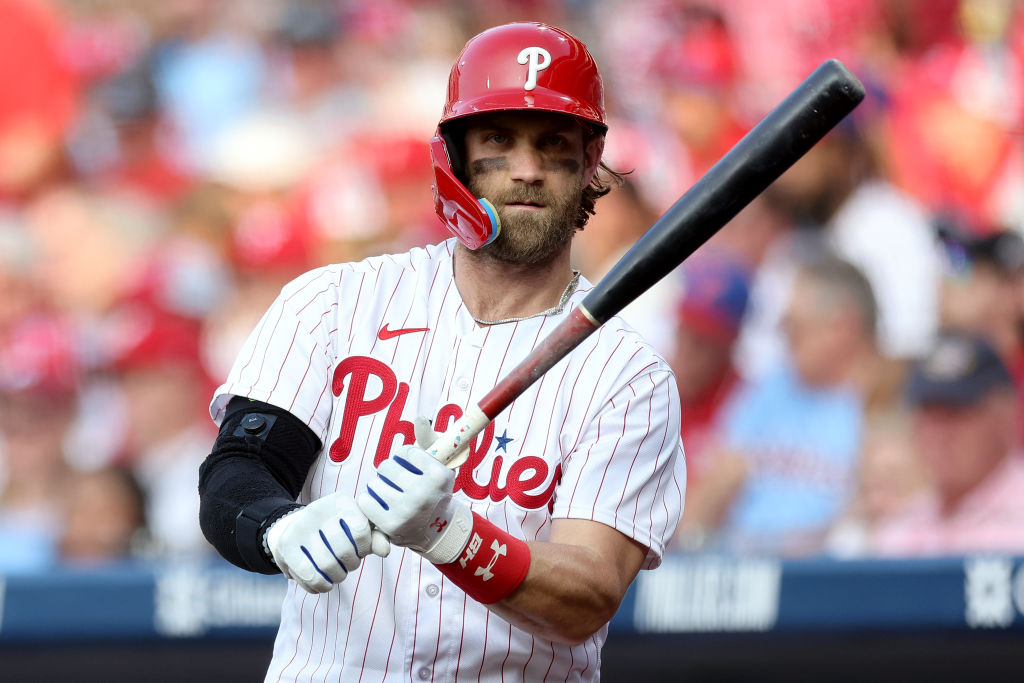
(603, 182)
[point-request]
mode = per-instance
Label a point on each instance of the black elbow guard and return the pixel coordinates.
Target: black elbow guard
(251, 479)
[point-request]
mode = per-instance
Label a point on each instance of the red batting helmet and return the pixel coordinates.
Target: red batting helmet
(523, 66)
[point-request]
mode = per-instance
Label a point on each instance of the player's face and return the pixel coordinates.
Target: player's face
(533, 167)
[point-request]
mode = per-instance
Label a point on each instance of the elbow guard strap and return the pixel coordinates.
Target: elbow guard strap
(251, 527)
(492, 565)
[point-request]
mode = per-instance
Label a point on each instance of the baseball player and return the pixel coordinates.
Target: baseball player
(512, 565)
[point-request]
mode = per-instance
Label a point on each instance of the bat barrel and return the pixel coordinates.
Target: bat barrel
(824, 98)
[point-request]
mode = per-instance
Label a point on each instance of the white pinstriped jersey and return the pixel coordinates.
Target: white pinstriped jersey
(357, 351)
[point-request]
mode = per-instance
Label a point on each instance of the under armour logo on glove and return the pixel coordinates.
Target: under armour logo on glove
(500, 550)
(438, 524)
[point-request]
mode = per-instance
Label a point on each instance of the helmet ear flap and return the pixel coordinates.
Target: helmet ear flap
(474, 221)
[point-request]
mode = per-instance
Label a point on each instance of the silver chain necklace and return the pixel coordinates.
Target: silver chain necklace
(570, 289)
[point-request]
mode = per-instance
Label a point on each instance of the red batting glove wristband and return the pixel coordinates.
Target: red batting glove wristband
(492, 565)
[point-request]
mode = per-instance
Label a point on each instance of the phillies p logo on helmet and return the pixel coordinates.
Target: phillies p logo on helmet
(538, 59)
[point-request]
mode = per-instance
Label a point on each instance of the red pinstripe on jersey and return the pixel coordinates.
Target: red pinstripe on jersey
(632, 463)
(316, 624)
(483, 655)
(590, 401)
(605, 417)
(323, 648)
(462, 640)
(609, 461)
(298, 636)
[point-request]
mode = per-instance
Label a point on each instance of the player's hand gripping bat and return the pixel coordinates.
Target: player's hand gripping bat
(772, 146)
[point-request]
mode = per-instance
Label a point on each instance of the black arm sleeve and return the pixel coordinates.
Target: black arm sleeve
(251, 478)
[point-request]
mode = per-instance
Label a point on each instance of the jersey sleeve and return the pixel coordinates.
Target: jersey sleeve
(287, 358)
(628, 470)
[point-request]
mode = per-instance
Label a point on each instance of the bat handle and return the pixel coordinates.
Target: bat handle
(452, 447)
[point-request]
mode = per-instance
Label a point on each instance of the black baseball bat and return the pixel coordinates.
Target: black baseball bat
(810, 111)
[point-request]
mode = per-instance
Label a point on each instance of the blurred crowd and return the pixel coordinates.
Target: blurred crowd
(849, 350)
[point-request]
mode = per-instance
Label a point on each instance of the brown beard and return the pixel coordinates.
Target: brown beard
(527, 238)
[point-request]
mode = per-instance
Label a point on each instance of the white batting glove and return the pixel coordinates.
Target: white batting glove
(411, 501)
(318, 545)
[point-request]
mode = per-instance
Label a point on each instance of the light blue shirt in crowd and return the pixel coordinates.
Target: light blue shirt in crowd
(802, 445)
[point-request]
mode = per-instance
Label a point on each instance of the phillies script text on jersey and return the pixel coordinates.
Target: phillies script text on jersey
(526, 473)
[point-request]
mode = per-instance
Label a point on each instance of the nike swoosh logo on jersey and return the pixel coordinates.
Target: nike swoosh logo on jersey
(385, 333)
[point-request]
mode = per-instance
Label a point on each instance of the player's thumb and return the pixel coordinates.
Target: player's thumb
(379, 543)
(425, 434)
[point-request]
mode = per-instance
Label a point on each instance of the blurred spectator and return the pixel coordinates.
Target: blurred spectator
(89, 247)
(394, 49)
(256, 171)
(201, 214)
(697, 71)
(888, 236)
(38, 389)
(890, 476)
(18, 255)
(708, 322)
(785, 465)
(835, 199)
(311, 79)
(209, 73)
(122, 143)
(38, 100)
(966, 430)
(156, 361)
(980, 290)
(983, 292)
(954, 116)
(381, 204)
(780, 42)
(103, 517)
